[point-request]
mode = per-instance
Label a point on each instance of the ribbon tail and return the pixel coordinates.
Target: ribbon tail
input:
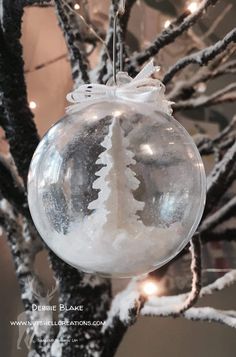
(147, 71)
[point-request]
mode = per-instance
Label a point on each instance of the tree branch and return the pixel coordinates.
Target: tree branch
(228, 130)
(40, 3)
(228, 235)
(89, 291)
(23, 253)
(168, 36)
(15, 115)
(220, 178)
(70, 27)
(227, 94)
(165, 306)
(123, 313)
(201, 57)
(221, 215)
(184, 89)
(11, 189)
(195, 314)
(104, 69)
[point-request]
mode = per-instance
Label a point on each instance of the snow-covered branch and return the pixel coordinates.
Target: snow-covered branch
(227, 94)
(220, 178)
(208, 314)
(39, 3)
(221, 215)
(11, 189)
(228, 235)
(105, 68)
(221, 283)
(123, 304)
(201, 57)
(183, 89)
(123, 313)
(166, 306)
(229, 130)
(127, 304)
(70, 27)
(168, 36)
(223, 141)
(15, 116)
(23, 253)
(94, 294)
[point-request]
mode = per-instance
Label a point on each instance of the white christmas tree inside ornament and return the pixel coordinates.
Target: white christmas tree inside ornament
(117, 187)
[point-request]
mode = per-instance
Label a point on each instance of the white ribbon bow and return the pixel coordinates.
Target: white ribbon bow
(142, 88)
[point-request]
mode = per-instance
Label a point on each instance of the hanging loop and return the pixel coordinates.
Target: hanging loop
(119, 12)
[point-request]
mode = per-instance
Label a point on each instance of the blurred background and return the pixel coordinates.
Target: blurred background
(48, 77)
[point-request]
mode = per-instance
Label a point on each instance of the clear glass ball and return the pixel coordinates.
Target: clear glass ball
(117, 188)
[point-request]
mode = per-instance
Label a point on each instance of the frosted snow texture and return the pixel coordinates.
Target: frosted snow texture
(117, 188)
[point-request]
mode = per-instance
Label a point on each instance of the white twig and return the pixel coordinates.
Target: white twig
(123, 303)
(196, 314)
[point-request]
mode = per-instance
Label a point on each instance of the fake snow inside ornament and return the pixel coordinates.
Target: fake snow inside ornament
(117, 187)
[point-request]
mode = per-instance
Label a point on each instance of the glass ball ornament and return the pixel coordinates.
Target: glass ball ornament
(117, 188)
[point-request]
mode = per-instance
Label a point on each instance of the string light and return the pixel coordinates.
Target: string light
(201, 87)
(32, 104)
(76, 6)
(192, 6)
(167, 24)
(146, 149)
(149, 287)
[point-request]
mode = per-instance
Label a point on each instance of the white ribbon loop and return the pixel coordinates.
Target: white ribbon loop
(142, 88)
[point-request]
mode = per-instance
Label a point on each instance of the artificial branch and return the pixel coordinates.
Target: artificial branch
(221, 215)
(201, 57)
(220, 178)
(104, 68)
(122, 32)
(227, 131)
(227, 94)
(124, 20)
(165, 306)
(89, 291)
(23, 253)
(168, 36)
(74, 41)
(123, 313)
(183, 89)
(196, 314)
(225, 235)
(11, 188)
(39, 3)
(15, 115)
(227, 280)
(223, 141)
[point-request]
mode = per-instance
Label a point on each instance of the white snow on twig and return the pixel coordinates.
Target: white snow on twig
(122, 304)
